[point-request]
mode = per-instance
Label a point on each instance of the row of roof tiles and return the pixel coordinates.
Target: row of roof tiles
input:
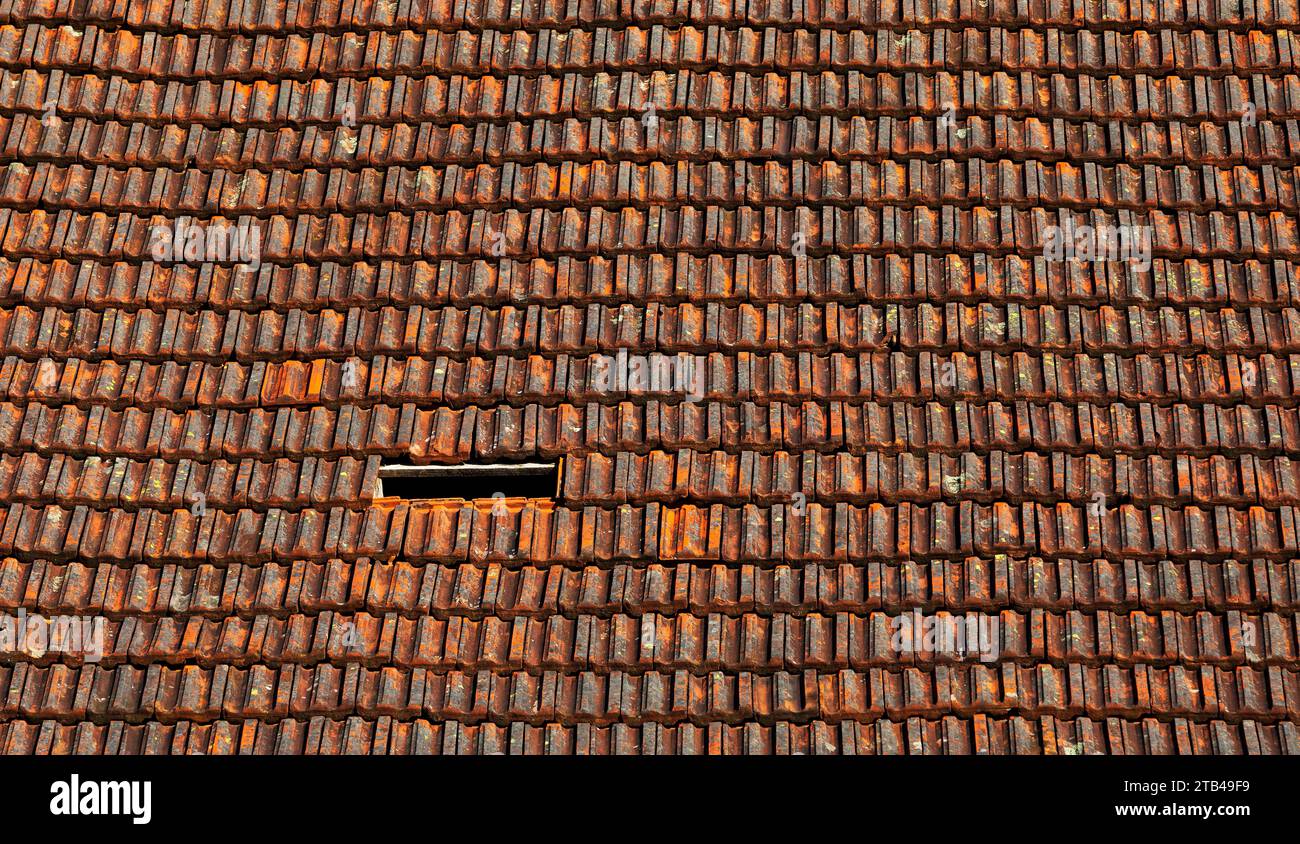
(918, 280)
(655, 280)
(530, 592)
(260, 691)
(752, 642)
(702, 477)
(749, 476)
(183, 336)
(949, 735)
(144, 191)
(537, 531)
(30, 137)
(573, 231)
(310, 482)
(410, 52)
(713, 92)
(450, 435)
(310, 15)
(887, 377)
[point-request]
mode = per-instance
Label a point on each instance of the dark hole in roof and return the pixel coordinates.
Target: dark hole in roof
(468, 480)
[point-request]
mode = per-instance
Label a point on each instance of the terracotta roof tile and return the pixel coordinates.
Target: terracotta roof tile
(901, 406)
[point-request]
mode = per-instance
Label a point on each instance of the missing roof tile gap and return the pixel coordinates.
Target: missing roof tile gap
(470, 480)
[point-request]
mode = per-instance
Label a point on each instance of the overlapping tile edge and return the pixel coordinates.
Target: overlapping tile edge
(905, 412)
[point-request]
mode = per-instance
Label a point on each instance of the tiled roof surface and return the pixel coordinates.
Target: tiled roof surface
(906, 409)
